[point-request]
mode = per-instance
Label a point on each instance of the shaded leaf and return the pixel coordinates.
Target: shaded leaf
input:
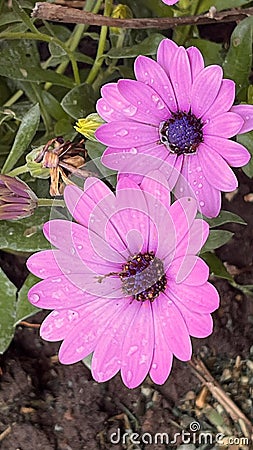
(225, 217)
(53, 107)
(25, 235)
(217, 267)
(216, 239)
(237, 64)
(79, 102)
(205, 5)
(146, 47)
(24, 308)
(24, 136)
(95, 151)
(7, 311)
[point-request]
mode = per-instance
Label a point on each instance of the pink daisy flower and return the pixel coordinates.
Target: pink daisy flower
(180, 112)
(170, 2)
(124, 281)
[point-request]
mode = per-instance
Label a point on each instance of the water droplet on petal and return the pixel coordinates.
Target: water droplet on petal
(121, 133)
(200, 185)
(202, 204)
(132, 350)
(35, 298)
(154, 366)
(72, 251)
(130, 110)
(134, 151)
(80, 247)
(197, 192)
(129, 376)
(198, 169)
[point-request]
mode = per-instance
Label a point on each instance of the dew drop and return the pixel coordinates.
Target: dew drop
(132, 350)
(197, 192)
(130, 110)
(181, 189)
(56, 280)
(198, 169)
(72, 251)
(200, 185)
(80, 247)
(35, 298)
(202, 203)
(134, 151)
(154, 366)
(121, 133)
(129, 376)
(246, 117)
(194, 182)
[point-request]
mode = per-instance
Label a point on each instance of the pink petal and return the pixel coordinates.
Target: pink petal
(199, 325)
(234, 153)
(224, 100)
(170, 2)
(246, 112)
(196, 61)
(194, 239)
(107, 112)
(180, 75)
(205, 88)
(106, 360)
(202, 299)
(125, 134)
(138, 346)
(165, 54)
(216, 170)
(86, 245)
(43, 264)
(156, 184)
(83, 337)
(183, 213)
(193, 183)
(163, 357)
(147, 102)
(173, 326)
(189, 269)
(150, 72)
(225, 125)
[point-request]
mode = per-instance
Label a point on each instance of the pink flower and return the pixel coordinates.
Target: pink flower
(170, 2)
(180, 112)
(124, 281)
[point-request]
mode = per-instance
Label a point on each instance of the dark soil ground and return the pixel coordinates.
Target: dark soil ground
(48, 406)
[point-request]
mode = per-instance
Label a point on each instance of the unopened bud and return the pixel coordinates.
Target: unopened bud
(120, 12)
(17, 200)
(89, 125)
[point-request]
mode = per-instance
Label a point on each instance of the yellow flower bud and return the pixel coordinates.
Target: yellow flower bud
(120, 12)
(89, 125)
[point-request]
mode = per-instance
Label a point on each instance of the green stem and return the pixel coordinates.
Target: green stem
(51, 202)
(13, 98)
(18, 171)
(101, 46)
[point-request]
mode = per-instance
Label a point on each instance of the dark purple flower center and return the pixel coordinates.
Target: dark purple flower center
(182, 133)
(143, 277)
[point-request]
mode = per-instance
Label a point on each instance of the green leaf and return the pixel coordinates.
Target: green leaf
(205, 5)
(246, 139)
(20, 60)
(79, 102)
(238, 61)
(7, 311)
(217, 267)
(210, 50)
(53, 106)
(216, 239)
(17, 8)
(95, 151)
(24, 308)
(225, 217)
(9, 18)
(146, 47)
(25, 235)
(24, 136)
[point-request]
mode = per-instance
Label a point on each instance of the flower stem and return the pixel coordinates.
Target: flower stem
(18, 171)
(51, 202)
(101, 46)
(13, 98)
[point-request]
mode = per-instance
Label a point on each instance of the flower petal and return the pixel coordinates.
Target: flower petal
(189, 269)
(138, 346)
(199, 325)
(246, 112)
(147, 102)
(224, 100)
(82, 338)
(106, 360)
(234, 153)
(216, 170)
(150, 72)
(125, 134)
(196, 61)
(202, 299)
(163, 357)
(173, 326)
(205, 88)
(180, 75)
(107, 112)
(44, 264)
(194, 239)
(58, 323)
(193, 183)
(165, 53)
(224, 125)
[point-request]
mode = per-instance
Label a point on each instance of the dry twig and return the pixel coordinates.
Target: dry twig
(57, 13)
